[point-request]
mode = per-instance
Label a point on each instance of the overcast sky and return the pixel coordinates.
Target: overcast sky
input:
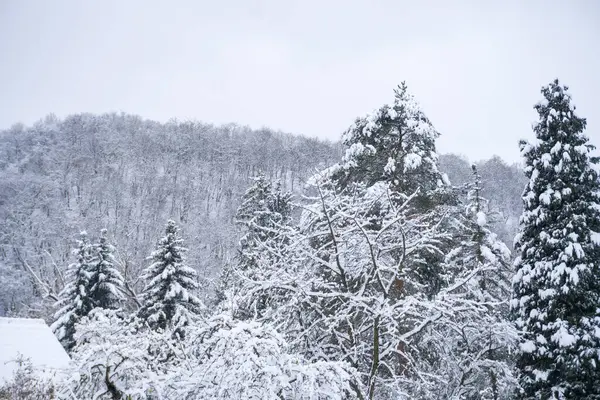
(307, 66)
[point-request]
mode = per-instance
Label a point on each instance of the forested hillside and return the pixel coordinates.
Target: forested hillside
(129, 175)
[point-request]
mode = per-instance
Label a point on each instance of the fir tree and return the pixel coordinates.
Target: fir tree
(264, 215)
(263, 209)
(74, 302)
(168, 299)
(254, 200)
(557, 284)
(106, 282)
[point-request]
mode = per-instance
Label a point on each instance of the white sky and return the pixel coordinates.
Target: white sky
(305, 66)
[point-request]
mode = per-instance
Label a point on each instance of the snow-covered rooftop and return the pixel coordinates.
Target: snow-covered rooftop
(32, 339)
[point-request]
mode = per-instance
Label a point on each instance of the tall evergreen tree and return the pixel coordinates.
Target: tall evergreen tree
(265, 215)
(74, 302)
(557, 284)
(263, 209)
(106, 282)
(168, 298)
(253, 200)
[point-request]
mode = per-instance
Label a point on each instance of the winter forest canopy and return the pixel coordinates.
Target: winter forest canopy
(190, 261)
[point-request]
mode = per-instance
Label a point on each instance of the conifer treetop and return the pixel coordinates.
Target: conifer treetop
(394, 143)
(169, 301)
(263, 210)
(105, 279)
(74, 301)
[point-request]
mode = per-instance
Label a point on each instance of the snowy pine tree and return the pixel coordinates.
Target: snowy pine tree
(265, 215)
(396, 145)
(396, 142)
(479, 247)
(74, 300)
(557, 284)
(263, 209)
(253, 200)
(478, 339)
(168, 298)
(106, 282)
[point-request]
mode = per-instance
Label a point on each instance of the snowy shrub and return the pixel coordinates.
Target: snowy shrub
(250, 360)
(113, 359)
(27, 384)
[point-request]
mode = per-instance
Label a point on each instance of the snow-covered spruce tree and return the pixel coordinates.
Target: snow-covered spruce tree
(265, 216)
(168, 299)
(74, 302)
(263, 210)
(476, 338)
(106, 282)
(557, 283)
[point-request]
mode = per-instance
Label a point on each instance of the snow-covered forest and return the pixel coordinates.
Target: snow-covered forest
(189, 261)
(129, 176)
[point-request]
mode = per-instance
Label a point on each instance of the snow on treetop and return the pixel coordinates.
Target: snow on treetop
(405, 108)
(412, 161)
(481, 218)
